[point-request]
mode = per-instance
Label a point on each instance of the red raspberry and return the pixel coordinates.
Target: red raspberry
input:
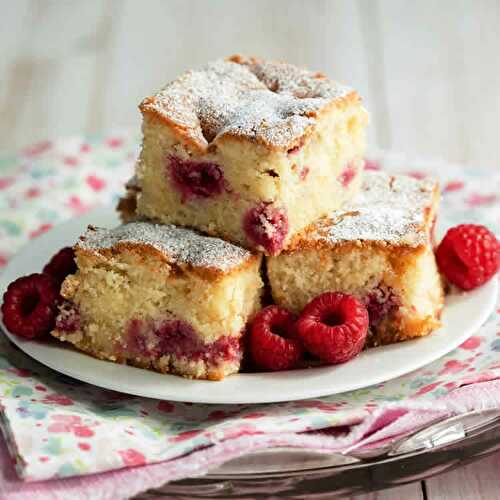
(61, 264)
(271, 345)
(30, 305)
(333, 327)
(266, 226)
(196, 179)
(468, 256)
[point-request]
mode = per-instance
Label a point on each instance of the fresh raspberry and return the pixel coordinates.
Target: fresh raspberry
(333, 327)
(469, 255)
(61, 264)
(271, 344)
(266, 226)
(30, 305)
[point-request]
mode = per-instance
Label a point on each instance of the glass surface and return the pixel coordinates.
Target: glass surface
(298, 473)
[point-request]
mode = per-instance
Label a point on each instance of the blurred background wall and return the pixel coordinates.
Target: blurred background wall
(429, 71)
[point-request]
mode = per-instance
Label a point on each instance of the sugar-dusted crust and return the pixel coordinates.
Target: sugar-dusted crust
(274, 104)
(389, 210)
(184, 248)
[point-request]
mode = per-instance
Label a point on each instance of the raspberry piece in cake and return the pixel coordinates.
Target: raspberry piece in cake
(348, 175)
(469, 255)
(160, 297)
(195, 179)
(243, 133)
(380, 302)
(377, 248)
(333, 327)
(68, 318)
(266, 227)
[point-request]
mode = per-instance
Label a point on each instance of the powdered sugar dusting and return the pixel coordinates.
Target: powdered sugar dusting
(388, 208)
(272, 103)
(179, 244)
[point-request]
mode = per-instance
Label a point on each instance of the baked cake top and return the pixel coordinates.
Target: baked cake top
(272, 103)
(389, 209)
(178, 245)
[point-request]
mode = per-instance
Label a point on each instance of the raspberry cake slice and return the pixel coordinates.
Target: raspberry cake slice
(250, 151)
(160, 297)
(379, 249)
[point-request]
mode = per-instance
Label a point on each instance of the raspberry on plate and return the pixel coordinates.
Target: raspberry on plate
(61, 264)
(333, 327)
(469, 255)
(272, 345)
(30, 305)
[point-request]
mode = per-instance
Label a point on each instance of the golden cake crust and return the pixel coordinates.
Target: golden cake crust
(391, 211)
(180, 248)
(273, 104)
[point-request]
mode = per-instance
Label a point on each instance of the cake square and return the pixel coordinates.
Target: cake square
(250, 151)
(378, 248)
(160, 297)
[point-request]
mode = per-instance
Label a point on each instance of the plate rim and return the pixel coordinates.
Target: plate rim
(490, 290)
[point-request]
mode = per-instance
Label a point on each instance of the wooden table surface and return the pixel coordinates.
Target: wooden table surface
(429, 73)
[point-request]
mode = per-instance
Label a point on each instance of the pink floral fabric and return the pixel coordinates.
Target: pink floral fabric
(56, 427)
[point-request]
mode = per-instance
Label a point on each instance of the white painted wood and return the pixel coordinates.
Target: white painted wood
(442, 76)
(13, 36)
(428, 71)
(50, 76)
(422, 59)
(477, 481)
(479, 38)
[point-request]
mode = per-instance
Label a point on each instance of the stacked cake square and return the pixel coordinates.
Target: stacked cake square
(250, 172)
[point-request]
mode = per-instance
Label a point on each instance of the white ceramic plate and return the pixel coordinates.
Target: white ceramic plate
(462, 316)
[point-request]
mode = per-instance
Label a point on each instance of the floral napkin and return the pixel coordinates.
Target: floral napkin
(56, 427)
